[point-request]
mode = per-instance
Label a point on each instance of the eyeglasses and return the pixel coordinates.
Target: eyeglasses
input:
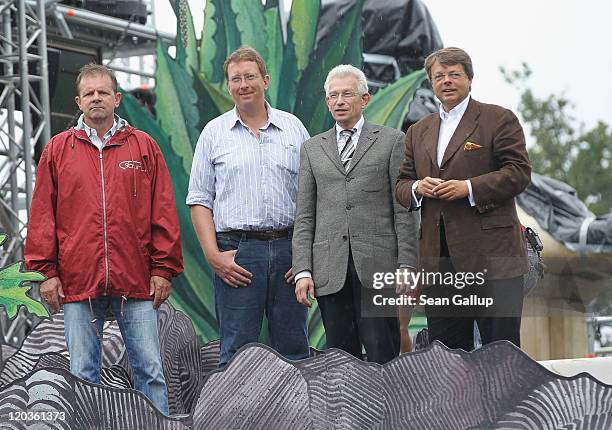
(347, 95)
(453, 76)
(238, 79)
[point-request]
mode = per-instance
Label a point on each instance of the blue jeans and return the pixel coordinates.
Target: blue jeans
(139, 327)
(240, 310)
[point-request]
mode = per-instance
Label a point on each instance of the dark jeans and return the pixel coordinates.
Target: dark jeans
(346, 329)
(240, 310)
(454, 325)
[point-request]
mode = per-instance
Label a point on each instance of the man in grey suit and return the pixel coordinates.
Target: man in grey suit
(348, 225)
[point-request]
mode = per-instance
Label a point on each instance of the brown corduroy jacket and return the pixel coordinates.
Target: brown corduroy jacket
(488, 147)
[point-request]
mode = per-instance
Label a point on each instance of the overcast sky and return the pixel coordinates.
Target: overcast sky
(565, 42)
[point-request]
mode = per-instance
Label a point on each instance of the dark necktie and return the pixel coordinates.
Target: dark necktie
(348, 147)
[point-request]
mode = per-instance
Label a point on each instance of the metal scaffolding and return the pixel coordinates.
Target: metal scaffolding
(120, 41)
(24, 89)
(23, 58)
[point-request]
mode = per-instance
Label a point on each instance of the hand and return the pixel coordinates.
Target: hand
(51, 291)
(161, 288)
(405, 281)
(289, 276)
(303, 288)
(451, 190)
(426, 186)
(226, 268)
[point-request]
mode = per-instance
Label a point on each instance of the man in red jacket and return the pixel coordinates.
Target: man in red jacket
(104, 230)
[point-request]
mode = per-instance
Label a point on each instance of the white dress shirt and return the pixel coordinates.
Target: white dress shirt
(449, 121)
(356, 133)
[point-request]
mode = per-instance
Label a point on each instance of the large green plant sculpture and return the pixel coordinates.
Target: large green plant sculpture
(15, 284)
(191, 91)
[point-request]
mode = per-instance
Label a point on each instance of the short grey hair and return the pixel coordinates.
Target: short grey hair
(347, 70)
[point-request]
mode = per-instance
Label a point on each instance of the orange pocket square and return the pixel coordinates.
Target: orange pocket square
(470, 146)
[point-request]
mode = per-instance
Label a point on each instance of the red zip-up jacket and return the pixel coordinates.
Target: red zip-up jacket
(103, 221)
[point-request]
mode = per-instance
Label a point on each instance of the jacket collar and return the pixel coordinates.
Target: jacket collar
(466, 127)
(119, 124)
(122, 131)
(330, 147)
(368, 136)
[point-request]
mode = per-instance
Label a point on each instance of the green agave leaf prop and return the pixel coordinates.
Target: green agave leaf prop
(213, 43)
(230, 26)
(213, 100)
(337, 48)
(316, 331)
(301, 34)
(186, 42)
(418, 321)
(304, 31)
(390, 105)
(274, 53)
(220, 36)
(176, 106)
(12, 292)
(250, 21)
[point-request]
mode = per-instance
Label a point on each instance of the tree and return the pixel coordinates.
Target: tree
(562, 148)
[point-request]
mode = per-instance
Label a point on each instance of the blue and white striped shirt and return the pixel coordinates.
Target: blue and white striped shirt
(248, 183)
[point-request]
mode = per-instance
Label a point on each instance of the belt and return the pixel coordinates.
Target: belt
(262, 234)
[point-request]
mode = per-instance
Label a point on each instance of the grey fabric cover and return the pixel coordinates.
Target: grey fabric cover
(495, 387)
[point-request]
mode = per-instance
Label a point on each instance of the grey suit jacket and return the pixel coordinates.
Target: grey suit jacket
(336, 209)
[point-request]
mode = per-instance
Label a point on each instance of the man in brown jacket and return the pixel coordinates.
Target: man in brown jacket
(462, 168)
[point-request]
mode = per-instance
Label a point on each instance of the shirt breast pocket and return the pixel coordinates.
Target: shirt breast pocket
(287, 156)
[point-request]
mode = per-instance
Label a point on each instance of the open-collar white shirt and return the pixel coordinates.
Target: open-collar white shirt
(449, 121)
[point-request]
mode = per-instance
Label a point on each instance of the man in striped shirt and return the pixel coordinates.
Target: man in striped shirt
(242, 194)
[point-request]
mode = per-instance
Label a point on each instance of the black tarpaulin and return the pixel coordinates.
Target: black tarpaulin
(402, 29)
(559, 211)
